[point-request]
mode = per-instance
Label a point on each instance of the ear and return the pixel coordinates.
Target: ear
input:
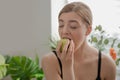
(89, 29)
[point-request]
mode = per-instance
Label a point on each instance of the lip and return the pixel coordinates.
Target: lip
(66, 38)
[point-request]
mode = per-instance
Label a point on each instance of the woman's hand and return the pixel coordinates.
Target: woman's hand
(67, 59)
(67, 54)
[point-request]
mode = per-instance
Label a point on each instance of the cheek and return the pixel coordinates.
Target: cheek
(60, 33)
(79, 39)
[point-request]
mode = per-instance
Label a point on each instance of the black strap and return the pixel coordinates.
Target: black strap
(60, 64)
(99, 66)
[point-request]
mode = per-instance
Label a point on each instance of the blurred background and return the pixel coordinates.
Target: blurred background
(26, 25)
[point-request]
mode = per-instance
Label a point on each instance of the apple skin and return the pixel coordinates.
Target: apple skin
(64, 41)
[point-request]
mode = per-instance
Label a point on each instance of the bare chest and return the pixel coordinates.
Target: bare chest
(86, 72)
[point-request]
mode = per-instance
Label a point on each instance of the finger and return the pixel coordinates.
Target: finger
(73, 47)
(70, 49)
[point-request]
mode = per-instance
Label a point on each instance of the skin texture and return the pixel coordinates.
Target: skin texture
(79, 60)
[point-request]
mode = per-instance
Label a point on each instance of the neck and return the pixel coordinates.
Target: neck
(82, 52)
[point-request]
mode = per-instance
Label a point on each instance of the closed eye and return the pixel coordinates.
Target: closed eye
(61, 26)
(73, 27)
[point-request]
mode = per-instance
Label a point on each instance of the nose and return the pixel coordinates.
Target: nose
(65, 30)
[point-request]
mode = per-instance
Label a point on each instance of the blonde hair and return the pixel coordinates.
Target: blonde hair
(81, 9)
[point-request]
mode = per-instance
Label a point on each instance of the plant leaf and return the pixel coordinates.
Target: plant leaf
(118, 45)
(106, 41)
(3, 69)
(94, 39)
(22, 67)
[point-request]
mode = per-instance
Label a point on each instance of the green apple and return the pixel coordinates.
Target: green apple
(63, 44)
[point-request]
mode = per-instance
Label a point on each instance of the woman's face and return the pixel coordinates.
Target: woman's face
(72, 27)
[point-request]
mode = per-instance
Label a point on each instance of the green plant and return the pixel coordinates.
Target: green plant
(100, 39)
(3, 69)
(23, 68)
(20, 68)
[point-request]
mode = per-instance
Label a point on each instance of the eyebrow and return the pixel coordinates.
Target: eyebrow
(69, 20)
(73, 21)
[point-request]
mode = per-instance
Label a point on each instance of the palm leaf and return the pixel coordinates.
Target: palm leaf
(22, 67)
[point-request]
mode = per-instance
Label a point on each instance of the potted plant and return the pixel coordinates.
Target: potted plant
(20, 68)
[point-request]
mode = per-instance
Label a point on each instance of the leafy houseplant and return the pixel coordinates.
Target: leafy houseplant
(100, 39)
(21, 68)
(3, 69)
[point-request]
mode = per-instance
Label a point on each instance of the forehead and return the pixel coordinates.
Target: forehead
(70, 16)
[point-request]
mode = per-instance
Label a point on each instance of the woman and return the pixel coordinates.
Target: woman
(78, 60)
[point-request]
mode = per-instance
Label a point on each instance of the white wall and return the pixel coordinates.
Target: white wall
(25, 26)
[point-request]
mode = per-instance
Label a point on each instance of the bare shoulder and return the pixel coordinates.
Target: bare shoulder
(50, 66)
(48, 59)
(108, 67)
(107, 61)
